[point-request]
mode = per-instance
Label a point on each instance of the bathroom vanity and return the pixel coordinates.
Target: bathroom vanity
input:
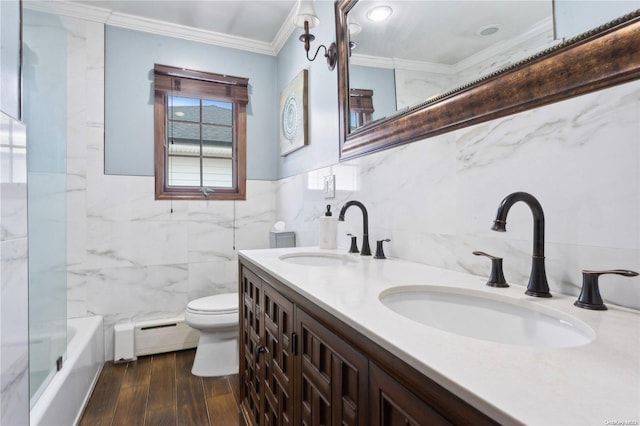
(321, 343)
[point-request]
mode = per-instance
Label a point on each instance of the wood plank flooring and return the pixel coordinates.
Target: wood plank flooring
(158, 390)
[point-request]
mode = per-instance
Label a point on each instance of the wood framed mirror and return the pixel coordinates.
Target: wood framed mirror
(603, 57)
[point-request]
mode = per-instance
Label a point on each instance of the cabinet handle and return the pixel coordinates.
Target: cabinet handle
(259, 349)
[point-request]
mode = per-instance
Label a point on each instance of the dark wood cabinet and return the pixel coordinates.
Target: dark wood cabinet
(393, 405)
(331, 378)
(278, 358)
(266, 357)
(251, 372)
(300, 365)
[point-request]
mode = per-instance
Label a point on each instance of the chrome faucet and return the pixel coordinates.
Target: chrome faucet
(538, 285)
(366, 251)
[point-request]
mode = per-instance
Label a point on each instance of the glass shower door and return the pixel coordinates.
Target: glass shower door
(45, 91)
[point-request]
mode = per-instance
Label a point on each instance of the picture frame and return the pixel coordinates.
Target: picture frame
(293, 115)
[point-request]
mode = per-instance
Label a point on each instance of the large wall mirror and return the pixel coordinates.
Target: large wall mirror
(436, 66)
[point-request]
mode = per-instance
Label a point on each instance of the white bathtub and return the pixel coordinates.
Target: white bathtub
(62, 402)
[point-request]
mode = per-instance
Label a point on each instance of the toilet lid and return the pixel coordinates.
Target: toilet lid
(226, 303)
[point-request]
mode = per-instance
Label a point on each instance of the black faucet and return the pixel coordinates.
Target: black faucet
(538, 285)
(366, 251)
(590, 295)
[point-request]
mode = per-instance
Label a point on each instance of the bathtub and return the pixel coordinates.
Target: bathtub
(63, 400)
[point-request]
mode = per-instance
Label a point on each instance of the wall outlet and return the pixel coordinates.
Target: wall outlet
(329, 186)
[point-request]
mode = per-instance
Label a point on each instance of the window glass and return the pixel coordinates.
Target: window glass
(200, 146)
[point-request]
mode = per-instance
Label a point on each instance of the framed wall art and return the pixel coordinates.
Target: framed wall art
(293, 115)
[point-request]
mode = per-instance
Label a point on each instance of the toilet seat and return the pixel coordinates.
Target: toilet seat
(215, 312)
(218, 304)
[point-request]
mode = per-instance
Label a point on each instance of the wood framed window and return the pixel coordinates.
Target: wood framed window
(361, 107)
(200, 128)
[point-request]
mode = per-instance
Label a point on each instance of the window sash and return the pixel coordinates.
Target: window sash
(205, 87)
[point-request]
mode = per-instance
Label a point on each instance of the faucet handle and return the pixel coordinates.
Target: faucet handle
(590, 294)
(380, 250)
(354, 244)
(496, 278)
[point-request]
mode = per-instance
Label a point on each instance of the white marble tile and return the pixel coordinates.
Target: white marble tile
(14, 380)
(137, 291)
(436, 199)
(76, 293)
(13, 211)
(580, 166)
(209, 278)
(135, 243)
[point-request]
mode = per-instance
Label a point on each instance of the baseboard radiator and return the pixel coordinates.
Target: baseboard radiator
(132, 340)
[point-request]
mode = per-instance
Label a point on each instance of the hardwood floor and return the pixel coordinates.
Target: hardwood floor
(160, 390)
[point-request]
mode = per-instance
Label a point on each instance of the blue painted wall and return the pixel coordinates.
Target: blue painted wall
(129, 59)
(323, 147)
(576, 17)
(383, 83)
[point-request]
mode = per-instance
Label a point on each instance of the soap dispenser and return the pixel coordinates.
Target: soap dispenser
(328, 230)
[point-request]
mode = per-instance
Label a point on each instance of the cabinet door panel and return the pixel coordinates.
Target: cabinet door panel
(278, 357)
(251, 374)
(394, 405)
(332, 383)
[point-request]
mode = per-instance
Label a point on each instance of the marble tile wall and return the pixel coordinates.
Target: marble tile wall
(131, 257)
(436, 199)
(14, 351)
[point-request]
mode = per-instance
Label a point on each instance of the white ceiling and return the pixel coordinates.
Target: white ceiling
(443, 33)
(258, 20)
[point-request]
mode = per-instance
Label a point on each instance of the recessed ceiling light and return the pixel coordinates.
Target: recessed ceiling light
(179, 114)
(379, 13)
(487, 30)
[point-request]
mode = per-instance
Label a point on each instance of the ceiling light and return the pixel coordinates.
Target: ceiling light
(306, 18)
(179, 114)
(379, 13)
(488, 30)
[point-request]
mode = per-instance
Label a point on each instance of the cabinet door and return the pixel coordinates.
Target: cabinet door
(331, 378)
(278, 357)
(393, 405)
(251, 373)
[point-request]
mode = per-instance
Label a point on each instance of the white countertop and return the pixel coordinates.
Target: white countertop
(597, 383)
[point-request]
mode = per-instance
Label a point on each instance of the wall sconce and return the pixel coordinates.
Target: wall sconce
(306, 18)
(353, 28)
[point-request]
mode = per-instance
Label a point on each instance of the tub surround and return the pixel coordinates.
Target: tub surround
(588, 384)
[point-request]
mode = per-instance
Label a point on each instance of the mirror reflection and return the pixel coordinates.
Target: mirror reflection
(409, 52)
(423, 49)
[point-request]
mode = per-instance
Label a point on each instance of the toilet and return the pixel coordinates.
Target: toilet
(217, 319)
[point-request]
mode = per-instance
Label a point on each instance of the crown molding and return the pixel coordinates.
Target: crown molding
(284, 32)
(66, 8)
(116, 19)
(380, 62)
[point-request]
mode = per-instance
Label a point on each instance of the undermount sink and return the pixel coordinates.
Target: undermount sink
(318, 259)
(487, 316)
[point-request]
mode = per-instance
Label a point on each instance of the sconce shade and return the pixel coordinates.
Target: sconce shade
(354, 28)
(306, 12)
